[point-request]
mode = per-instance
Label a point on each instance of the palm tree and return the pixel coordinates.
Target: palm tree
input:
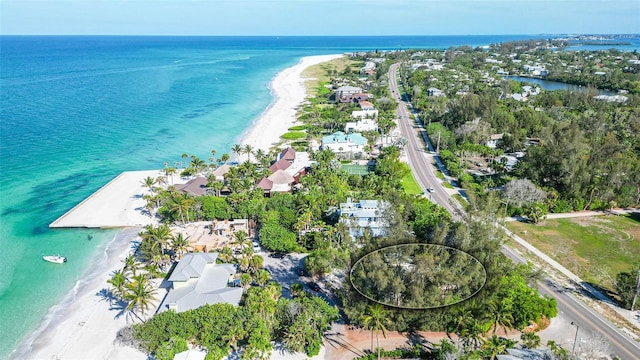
(226, 254)
(255, 263)
(149, 183)
(184, 158)
(241, 239)
(495, 346)
(236, 149)
(180, 245)
(296, 289)
(130, 265)
(224, 158)
(170, 171)
(181, 205)
(140, 295)
(376, 321)
(118, 282)
(500, 316)
(248, 149)
(245, 280)
(262, 277)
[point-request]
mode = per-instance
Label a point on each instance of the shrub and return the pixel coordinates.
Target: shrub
(294, 135)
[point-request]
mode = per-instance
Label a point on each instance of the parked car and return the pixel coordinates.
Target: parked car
(313, 286)
(256, 247)
(278, 255)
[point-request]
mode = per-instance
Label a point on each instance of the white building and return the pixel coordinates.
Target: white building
(197, 280)
(361, 125)
(340, 142)
(363, 214)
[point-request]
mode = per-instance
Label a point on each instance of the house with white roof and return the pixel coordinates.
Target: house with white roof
(363, 214)
(361, 125)
(341, 143)
(197, 281)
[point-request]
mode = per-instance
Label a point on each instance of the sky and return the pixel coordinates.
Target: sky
(318, 17)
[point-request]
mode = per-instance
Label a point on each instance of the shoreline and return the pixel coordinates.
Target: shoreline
(84, 324)
(288, 91)
(83, 313)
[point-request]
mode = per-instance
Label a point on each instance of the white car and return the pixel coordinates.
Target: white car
(256, 247)
(430, 190)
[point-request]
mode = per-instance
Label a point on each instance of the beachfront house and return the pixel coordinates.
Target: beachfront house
(285, 172)
(361, 125)
(342, 92)
(195, 187)
(343, 144)
(197, 280)
(363, 214)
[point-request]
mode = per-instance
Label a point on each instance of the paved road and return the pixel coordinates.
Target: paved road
(419, 159)
(568, 306)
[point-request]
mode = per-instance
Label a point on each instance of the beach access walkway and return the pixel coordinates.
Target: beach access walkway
(117, 204)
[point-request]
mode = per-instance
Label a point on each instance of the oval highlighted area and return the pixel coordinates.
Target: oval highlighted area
(418, 276)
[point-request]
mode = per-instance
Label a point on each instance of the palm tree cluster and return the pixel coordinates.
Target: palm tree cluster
(241, 253)
(132, 286)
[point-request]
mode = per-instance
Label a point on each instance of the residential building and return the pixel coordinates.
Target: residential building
(364, 114)
(361, 125)
(494, 140)
(197, 280)
(286, 171)
(341, 143)
(435, 92)
(363, 214)
(195, 187)
(343, 91)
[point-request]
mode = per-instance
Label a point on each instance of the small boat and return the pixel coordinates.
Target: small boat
(55, 259)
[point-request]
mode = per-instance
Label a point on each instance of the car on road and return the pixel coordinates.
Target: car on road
(430, 190)
(313, 286)
(278, 255)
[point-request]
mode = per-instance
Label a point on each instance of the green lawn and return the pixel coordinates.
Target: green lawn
(595, 248)
(410, 185)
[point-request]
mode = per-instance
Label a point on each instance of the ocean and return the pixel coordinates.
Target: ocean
(76, 111)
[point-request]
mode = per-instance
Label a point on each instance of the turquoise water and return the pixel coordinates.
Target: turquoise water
(77, 111)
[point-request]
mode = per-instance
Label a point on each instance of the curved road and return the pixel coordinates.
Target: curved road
(569, 307)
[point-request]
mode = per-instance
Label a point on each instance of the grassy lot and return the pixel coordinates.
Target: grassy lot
(410, 185)
(320, 73)
(595, 248)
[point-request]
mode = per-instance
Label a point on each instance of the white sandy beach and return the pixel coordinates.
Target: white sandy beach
(288, 91)
(84, 324)
(119, 203)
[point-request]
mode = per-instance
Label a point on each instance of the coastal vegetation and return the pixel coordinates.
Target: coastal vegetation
(263, 317)
(582, 151)
(576, 133)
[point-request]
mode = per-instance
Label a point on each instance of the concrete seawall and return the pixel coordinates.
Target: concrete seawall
(119, 203)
